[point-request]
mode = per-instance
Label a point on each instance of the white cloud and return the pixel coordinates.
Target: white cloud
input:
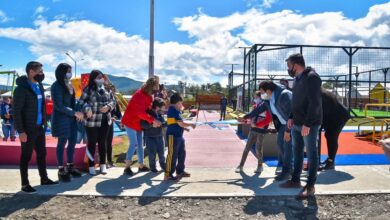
(40, 10)
(268, 3)
(3, 17)
(214, 40)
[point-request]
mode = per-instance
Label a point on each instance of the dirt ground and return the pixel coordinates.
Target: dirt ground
(89, 207)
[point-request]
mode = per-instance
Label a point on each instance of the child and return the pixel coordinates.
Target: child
(259, 126)
(176, 144)
(8, 122)
(154, 135)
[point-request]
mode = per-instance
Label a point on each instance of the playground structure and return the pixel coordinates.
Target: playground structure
(10, 82)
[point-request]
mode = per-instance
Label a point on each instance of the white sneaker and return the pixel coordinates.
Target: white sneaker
(92, 171)
(238, 169)
(278, 170)
(103, 169)
(259, 169)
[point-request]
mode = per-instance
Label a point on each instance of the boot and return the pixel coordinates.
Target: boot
(63, 175)
(74, 172)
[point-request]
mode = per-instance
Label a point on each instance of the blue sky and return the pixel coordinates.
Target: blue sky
(182, 26)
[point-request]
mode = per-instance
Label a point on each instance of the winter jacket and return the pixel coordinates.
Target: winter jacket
(25, 107)
(149, 130)
(136, 110)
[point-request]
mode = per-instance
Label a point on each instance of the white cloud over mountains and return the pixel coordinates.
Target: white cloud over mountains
(214, 41)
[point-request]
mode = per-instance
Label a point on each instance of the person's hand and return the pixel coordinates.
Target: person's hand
(253, 125)
(305, 131)
(193, 126)
(23, 137)
(290, 123)
(241, 120)
(186, 129)
(79, 116)
(89, 113)
(287, 137)
(113, 120)
(7, 116)
(104, 109)
(156, 123)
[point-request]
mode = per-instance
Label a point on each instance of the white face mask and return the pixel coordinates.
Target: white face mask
(264, 96)
(99, 82)
(68, 75)
(257, 101)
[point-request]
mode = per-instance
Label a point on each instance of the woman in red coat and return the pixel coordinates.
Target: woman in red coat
(140, 102)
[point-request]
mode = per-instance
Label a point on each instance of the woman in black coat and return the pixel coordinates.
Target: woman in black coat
(64, 124)
(335, 116)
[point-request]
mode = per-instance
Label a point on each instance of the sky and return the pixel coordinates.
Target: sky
(194, 39)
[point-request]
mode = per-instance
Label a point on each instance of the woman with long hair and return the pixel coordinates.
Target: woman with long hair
(140, 102)
(97, 103)
(64, 124)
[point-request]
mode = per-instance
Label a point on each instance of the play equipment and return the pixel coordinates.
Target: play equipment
(379, 126)
(14, 75)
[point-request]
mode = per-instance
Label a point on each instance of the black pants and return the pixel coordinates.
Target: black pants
(35, 141)
(223, 113)
(97, 135)
(332, 139)
(110, 136)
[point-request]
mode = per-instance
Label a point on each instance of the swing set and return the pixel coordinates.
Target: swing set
(11, 75)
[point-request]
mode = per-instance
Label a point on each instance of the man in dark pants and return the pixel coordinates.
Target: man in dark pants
(305, 122)
(223, 103)
(335, 116)
(30, 122)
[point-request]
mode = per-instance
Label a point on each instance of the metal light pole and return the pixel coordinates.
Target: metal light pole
(356, 82)
(75, 63)
(151, 40)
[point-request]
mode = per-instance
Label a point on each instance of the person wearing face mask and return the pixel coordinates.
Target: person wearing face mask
(30, 122)
(305, 121)
(97, 104)
(140, 102)
(64, 120)
(259, 124)
(279, 101)
(154, 135)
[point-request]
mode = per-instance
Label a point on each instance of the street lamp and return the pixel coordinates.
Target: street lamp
(75, 63)
(151, 40)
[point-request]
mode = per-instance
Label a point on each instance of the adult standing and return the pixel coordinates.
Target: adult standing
(280, 101)
(97, 104)
(64, 120)
(30, 122)
(140, 102)
(305, 122)
(335, 117)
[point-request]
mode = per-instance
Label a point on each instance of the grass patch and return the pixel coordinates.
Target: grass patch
(119, 153)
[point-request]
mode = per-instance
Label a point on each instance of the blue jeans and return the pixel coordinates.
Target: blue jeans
(311, 143)
(8, 131)
(285, 151)
(155, 145)
(135, 139)
(70, 149)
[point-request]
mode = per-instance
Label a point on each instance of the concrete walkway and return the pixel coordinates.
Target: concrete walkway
(205, 182)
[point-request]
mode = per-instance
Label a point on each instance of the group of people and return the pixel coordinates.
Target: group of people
(97, 110)
(299, 116)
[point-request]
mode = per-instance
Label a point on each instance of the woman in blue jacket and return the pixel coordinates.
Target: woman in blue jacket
(64, 124)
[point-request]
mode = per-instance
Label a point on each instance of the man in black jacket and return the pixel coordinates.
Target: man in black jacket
(30, 122)
(305, 122)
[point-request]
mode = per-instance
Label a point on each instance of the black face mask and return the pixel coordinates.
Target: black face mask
(39, 77)
(291, 72)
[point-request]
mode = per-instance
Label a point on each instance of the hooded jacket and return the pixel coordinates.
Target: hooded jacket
(25, 107)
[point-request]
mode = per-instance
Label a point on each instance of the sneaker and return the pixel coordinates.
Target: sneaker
(28, 189)
(238, 169)
(63, 175)
(291, 184)
(327, 165)
(172, 178)
(306, 192)
(92, 171)
(110, 165)
(283, 176)
(278, 170)
(103, 169)
(48, 182)
(128, 171)
(143, 169)
(5, 139)
(74, 172)
(184, 174)
(259, 169)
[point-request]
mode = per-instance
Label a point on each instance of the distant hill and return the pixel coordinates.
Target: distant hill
(124, 84)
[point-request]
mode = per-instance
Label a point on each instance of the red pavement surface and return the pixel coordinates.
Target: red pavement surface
(208, 147)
